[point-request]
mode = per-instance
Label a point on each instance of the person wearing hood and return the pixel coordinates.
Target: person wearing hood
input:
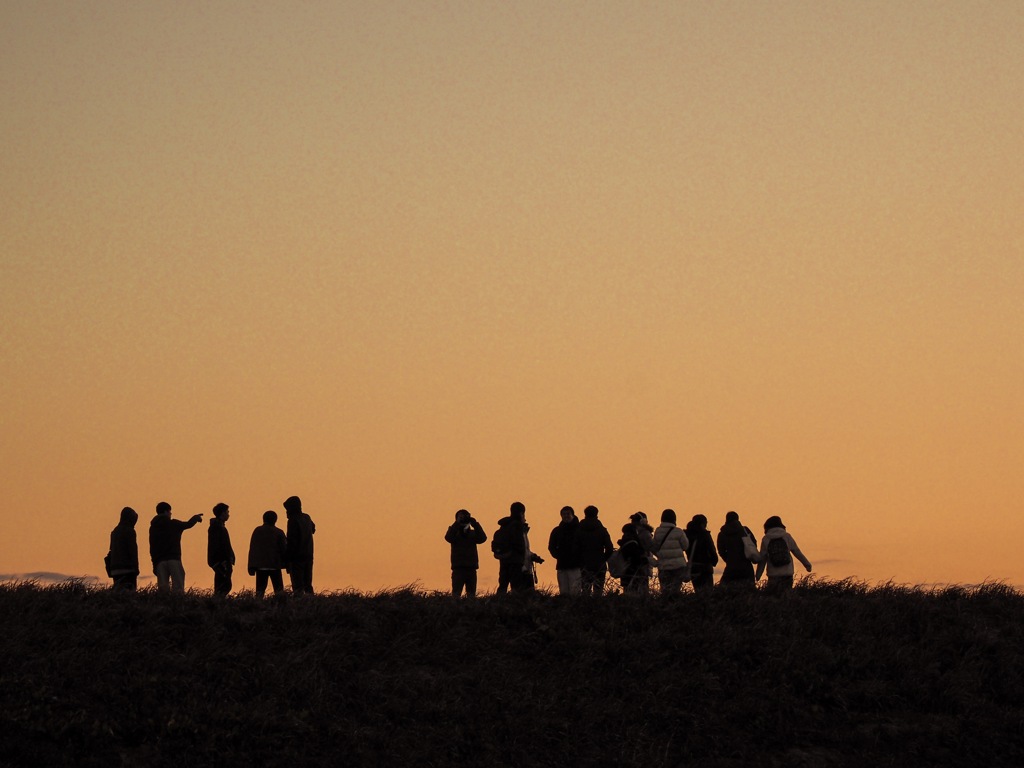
(219, 554)
(123, 558)
(562, 546)
(464, 535)
(703, 555)
(165, 547)
(739, 570)
(593, 548)
(635, 544)
(669, 545)
(776, 555)
(299, 562)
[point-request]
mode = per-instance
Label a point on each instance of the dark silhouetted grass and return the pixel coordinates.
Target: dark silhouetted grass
(837, 673)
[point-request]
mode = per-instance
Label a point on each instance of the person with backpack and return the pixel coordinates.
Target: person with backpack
(562, 546)
(703, 555)
(776, 555)
(464, 535)
(511, 546)
(735, 544)
(669, 545)
(635, 545)
(593, 548)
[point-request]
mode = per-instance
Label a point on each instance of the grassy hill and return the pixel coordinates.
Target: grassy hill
(836, 673)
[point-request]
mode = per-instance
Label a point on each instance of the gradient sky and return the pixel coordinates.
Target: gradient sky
(402, 258)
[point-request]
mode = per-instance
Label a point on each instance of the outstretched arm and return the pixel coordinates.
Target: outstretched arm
(799, 555)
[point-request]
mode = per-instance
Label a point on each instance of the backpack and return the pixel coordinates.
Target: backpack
(500, 542)
(778, 552)
(617, 564)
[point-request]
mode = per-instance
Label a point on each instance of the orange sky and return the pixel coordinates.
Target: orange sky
(400, 259)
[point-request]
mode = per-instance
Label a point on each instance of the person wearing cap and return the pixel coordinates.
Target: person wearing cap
(165, 547)
(778, 548)
(464, 535)
(123, 559)
(219, 554)
(300, 546)
(593, 548)
(635, 544)
(703, 555)
(739, 570)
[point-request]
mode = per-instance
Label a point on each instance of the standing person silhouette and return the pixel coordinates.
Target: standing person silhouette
(165, 548)
(739, 570)
(777, 551)
(593, 547)
(562, 546)
(464, 535)
(636, 542)
(300, 546)
(670, 545)
(703, 555)
(219, 554)
(123, 563)
(268, 549)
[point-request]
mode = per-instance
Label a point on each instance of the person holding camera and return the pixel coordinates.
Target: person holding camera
(464, 535)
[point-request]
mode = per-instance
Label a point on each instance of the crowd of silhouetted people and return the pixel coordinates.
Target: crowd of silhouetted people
(271, 550)
(585, 556)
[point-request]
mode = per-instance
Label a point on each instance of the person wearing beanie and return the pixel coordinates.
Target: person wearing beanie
(670, 546)
(123, 558)
(736, 544)
(165, 547)
(219, 554)
(562, 546)
(299, 561)
(593, 546)
(778, 548)
(464, 535)
(703, 555)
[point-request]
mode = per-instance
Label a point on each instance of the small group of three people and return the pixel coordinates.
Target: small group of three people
(270, 550)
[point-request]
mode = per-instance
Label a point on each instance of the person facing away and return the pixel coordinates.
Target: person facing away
(703, 555)
(635, 544)
(776, 555)
(670, 545)
(219, 554)
(268, 549)
(299, 562)
(464, 535)
(165, 547)
(562, 546)
(124, 552)
(593, 548)
(739, 571)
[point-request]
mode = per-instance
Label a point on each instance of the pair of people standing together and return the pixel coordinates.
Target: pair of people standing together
(270, 550)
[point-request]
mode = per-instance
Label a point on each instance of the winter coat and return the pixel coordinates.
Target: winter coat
(632, 545)
(779, 570)
(165, 537)
(562, 545)
(124, 550)
(730, 547)
(218, 545)
(704, 556)
(511, 536)
(670, 547)
(267, 549)
(464, 539)
(593, 544)
(300, 538)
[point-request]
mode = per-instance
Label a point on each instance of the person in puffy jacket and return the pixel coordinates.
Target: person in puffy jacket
(123, 560)
(670, 545)
(703, 555)
(776, 555)
(268, 550)
(562, 546)
(464, 535)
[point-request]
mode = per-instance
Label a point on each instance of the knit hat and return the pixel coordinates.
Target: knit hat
(774, 522)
